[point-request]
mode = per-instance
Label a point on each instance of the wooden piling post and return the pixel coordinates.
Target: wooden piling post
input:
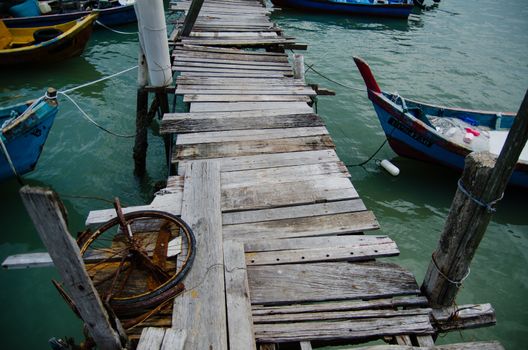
(48, 216)
(483, 183)
(141, 140)
(190, 19)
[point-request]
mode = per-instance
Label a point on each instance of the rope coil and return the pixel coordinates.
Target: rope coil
(459, 283)
(489, 206)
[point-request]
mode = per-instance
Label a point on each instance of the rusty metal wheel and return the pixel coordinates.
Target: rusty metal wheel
(138, 260)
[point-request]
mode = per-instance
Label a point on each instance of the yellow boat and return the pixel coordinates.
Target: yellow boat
(44, 44)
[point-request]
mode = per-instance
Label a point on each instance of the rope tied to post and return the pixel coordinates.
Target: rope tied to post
(489, 206)
(459, 283)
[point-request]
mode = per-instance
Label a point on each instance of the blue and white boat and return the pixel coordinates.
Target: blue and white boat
(440, 135)
(385, 8)
(24, 129)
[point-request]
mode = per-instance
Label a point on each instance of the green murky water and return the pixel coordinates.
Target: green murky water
(469, 53)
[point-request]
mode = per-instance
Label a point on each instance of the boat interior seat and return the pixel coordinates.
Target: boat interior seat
(5, 36)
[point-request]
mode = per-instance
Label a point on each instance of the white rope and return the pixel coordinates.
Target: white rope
(87, 117)
(97, 81)
(115, 31)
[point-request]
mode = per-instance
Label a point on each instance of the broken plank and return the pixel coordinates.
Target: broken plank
(174, 339)
(29, 260)
(460, 346)
(239, 317)
(352, 241)
(151, 338)
(343, 305)
(346, 223)
(339, 315)
(340, 330)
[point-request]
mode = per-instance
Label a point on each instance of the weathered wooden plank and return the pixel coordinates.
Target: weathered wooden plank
(350, 330)
(318, 209)
(459, 346)
(305, 345)
(343, 305)
(285, 194)
(151, 338)
(246, 98)
(201, 309)
(224, 90)
(249, 148)
(248, 135)
(354, 241)
(328, 281)
(339, 315)
(239, 42)
(222, 59)
(347, 253)
(237, 57)
(283, 174)
(226, 50)
(232, 74)
(190, 79)
(228, 65)
(181, 126)
(464, 317)
(298, 107)
(272, 160)
(29, 260)
(239, 317)
(303, 227)
(247, 71)
(174, 339)
(170, 202)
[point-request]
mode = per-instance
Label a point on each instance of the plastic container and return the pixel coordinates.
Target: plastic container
(468, 137)
(44, 7)
(28, 8)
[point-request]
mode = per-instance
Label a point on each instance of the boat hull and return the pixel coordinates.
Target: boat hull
(388, 10)
(71, 43)
(411, 139)
(25, 143)
(113, 16)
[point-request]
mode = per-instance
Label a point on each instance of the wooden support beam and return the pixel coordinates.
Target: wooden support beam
(191, 17)
(482, 184)
(141, 141)
(48, 215)
(298, 66)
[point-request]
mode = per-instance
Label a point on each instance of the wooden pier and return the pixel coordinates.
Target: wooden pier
(282, 256)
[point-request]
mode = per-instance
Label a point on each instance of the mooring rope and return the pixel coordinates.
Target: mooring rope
(98, 80)
(84, 114)
(456, 283)
(489, 206)
(114, 30)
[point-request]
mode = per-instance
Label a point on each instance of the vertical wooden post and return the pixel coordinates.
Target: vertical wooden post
(483, 182)
(142, 122)
(298, 66)
(190, 19)
(141, 141)
(48, 216)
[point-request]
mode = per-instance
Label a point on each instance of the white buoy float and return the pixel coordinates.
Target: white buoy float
(389, 167)
(153, 40)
